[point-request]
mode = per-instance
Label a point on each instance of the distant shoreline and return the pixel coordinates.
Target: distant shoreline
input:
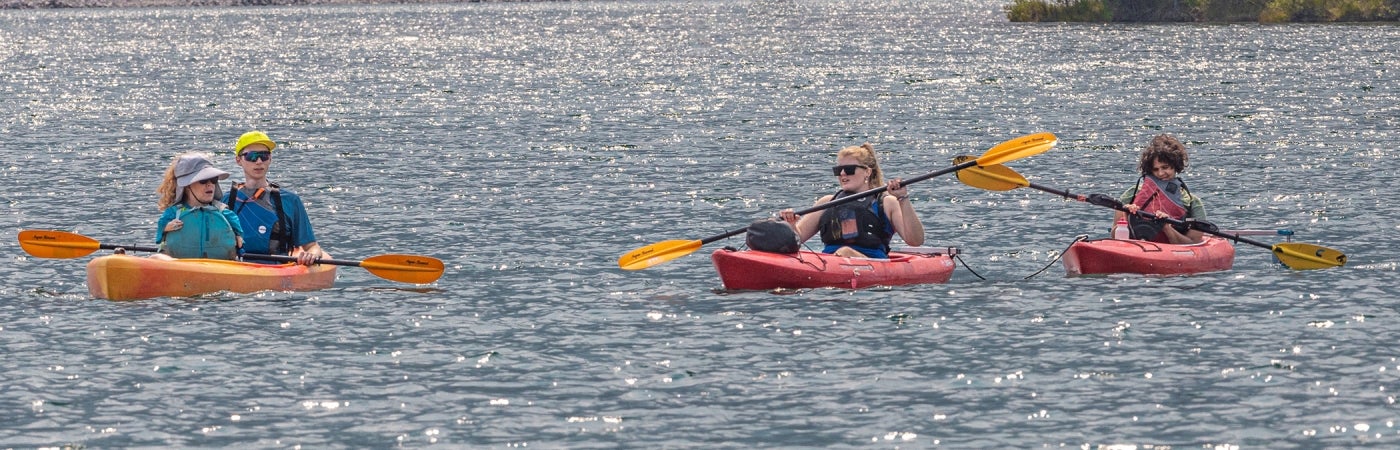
(1262, 11)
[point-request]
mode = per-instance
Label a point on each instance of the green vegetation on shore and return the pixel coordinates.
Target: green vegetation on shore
(1265, 11)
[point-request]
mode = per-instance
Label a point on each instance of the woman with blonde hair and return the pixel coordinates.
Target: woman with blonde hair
(193, 223)
(865, 227)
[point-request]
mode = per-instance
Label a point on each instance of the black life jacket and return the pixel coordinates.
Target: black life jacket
(858, 223)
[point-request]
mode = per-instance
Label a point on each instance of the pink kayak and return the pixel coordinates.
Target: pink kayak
(754, 270)
(1107, 256)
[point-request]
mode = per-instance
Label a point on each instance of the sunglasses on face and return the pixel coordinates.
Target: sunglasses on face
(208, 181)
(849, 169)
(257, 156)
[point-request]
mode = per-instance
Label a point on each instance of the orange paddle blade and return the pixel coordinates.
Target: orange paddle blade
(995, 177)
(1021, 147)
(416, 269)
(1304, 256)
(657, 253)
(57, 244)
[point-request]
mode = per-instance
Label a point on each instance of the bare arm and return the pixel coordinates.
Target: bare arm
(901, 213)
(807, 225)
(1176, 237)
(906, 222)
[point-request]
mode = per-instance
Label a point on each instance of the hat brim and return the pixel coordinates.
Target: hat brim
(203, 174)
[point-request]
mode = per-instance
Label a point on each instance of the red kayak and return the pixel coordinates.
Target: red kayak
(754, 270)
(1106, 256)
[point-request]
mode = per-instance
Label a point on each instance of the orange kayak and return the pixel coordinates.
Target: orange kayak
(1108, 256)
(126, 277)
(754, 270)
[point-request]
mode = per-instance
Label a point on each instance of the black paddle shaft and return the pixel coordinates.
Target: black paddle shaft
(282, 258)
(1112, 203)
(137, 248)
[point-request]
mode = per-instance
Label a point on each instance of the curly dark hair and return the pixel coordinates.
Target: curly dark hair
(1166, 148)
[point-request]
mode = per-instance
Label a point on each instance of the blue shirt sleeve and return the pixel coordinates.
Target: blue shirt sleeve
(296, 211)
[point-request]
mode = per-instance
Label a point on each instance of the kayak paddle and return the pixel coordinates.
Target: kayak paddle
(1295, 255)
(661, 252)
(394, 267)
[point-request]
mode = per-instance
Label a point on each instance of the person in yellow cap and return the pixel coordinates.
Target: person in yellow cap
(274, 218)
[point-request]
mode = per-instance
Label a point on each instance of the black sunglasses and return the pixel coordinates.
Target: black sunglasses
(257, 156)
(850, 169)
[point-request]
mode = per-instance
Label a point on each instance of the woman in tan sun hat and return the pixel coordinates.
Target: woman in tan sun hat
(193, 223)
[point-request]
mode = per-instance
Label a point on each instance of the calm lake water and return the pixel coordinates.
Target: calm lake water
(530, 145)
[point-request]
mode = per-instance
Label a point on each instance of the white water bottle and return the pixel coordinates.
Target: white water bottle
(1120, 229)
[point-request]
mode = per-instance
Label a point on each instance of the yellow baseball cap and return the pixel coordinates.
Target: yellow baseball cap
(250, 138)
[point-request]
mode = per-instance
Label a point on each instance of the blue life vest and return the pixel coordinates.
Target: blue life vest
(264, 230)
(206, 234)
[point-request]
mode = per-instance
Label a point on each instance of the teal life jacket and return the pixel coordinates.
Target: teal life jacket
(206, 234)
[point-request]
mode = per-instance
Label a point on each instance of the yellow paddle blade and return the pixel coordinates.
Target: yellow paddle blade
(1304, 256)
(1021, 147)
(657, 253)
(995, 177)
(404, 268)
(57, 244)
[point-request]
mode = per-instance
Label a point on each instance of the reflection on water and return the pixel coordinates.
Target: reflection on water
(529, 145)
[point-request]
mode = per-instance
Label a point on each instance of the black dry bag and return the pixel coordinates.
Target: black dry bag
(771, 236)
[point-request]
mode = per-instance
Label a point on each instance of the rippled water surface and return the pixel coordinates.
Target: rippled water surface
(530, 145)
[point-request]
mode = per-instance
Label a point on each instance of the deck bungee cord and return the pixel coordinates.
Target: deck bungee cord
(1058, 256)
(958, 256)
(796, 256)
